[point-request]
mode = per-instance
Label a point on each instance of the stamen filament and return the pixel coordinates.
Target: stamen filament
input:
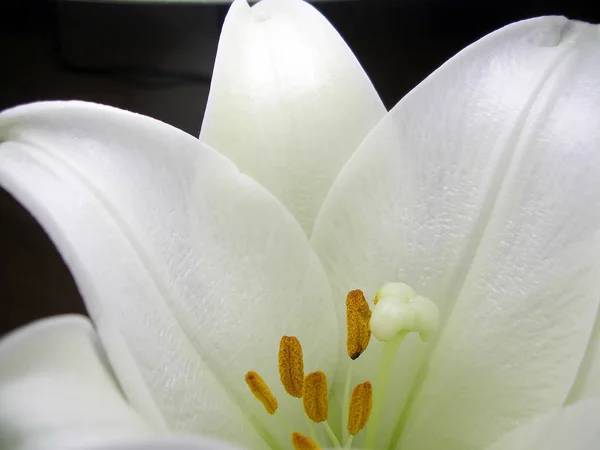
(311, 428)
(408, 405)
(332, 437)
(348, 445)
(284, 423)
(346, 404)
(386, 362)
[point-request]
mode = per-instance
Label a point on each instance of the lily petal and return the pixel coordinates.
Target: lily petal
(587, 383)
(158, 443)
(56, 390)
(289, 103)
(575, 428)
(480, 190)
(190, 270)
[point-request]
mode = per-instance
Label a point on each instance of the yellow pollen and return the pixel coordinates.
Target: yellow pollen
(301, 442)
(314, 396)
(261, 391)
(376, 297)
(291, 365)
(361, 403)
(358, 316)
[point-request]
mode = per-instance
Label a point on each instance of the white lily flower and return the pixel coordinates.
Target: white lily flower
(478, 192)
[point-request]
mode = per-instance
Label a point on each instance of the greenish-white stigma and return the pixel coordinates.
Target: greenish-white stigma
(399, 309)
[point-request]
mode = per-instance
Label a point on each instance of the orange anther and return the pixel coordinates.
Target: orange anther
(361, 403)
(301, 442)
(291, 365)
(261, 391)
(314, 396)
(358, 316)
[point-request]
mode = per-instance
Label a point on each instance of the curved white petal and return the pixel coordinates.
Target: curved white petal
(587, 383)
(56, 391)
(191, 271)
(573, 428)
(480, 190)
(159, 443)
(289, 103)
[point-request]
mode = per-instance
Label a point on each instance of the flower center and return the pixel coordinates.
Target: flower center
(398, 310)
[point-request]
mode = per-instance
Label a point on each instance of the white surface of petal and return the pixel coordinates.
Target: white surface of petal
(289, 103)
(56, 391)
(518, 333)
(160, 443)
(191, 271)
(573, 428)
(587, 383)
(479, 190)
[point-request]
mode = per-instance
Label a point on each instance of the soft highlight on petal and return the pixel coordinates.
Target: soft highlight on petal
(190, 270)
(57, 392)
(587, 383)
(161, 443)
(480, 190)
(289, 103)
(574, 428)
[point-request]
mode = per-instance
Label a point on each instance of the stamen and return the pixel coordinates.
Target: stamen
(358, 315)
(314, 396)
(361, 403)
(291, 365)
(261, 391)
(301, 442)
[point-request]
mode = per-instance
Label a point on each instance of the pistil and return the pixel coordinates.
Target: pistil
(399, 310)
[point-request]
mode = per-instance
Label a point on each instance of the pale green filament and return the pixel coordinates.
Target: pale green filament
(403, 417)
(386, 362)
(332, 436)
(284, 423)
(311, 429)
(346, 404)
(348, 445)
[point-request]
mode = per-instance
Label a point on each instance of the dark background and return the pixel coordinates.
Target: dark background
(156, 59)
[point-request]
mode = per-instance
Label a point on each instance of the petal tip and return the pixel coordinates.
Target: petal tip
(41, 326)
(552, 30)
